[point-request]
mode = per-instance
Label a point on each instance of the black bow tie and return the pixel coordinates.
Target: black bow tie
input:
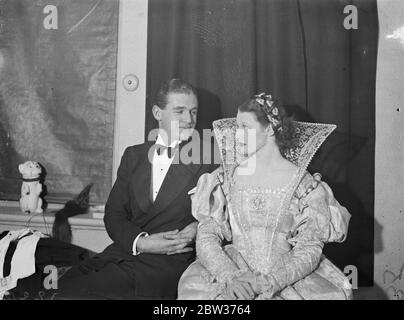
(170, 150)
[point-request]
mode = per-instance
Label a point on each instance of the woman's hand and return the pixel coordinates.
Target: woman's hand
(239, 290)
(251, 278)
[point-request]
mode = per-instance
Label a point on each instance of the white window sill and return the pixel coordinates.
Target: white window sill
(88, 230)
(10, 214)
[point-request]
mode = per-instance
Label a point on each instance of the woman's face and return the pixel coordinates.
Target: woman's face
(251, 134)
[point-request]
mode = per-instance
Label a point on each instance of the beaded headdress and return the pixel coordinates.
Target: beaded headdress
(268, 106)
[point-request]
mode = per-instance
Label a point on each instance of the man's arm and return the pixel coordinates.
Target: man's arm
(117, 209)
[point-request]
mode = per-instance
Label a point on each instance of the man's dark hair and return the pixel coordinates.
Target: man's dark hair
(172, 86)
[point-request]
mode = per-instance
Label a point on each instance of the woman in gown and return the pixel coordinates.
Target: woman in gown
(263, 218)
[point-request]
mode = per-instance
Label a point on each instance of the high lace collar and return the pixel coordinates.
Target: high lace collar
(307, 140)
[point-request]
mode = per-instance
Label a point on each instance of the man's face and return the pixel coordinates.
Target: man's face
(178, 118)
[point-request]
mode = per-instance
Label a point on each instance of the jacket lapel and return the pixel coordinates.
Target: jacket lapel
(141, 180)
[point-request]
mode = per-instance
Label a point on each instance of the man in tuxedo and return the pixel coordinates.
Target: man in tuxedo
(148, 212)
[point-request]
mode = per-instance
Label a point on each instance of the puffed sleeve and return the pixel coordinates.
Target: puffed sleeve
(209, 208)
(319, 219)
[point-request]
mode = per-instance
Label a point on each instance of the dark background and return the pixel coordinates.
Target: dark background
(300, 52)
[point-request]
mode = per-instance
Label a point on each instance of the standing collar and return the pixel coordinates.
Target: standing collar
(161, 141)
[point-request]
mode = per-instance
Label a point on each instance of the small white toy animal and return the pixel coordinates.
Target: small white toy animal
(31, 188)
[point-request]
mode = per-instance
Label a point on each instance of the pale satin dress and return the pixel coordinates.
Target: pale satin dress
(277, 234)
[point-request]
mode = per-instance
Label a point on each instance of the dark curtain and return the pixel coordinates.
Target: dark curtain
(299, 51)
(57, 95)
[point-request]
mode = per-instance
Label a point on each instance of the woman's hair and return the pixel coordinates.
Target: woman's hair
(281, 123)
(172, 86)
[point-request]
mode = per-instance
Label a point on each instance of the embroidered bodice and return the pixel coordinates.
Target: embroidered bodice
(253, 213)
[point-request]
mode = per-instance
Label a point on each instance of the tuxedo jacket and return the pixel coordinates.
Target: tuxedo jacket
(130, 211)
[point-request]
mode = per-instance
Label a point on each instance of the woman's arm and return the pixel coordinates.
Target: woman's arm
(210, 252)
(209, 207)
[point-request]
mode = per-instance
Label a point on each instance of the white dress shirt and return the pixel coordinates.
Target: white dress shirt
(160, 165)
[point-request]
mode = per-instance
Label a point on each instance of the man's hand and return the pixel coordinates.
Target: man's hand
(164, 243)
(189, 232)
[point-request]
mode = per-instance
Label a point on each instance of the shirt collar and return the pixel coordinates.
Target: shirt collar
(162, 142)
